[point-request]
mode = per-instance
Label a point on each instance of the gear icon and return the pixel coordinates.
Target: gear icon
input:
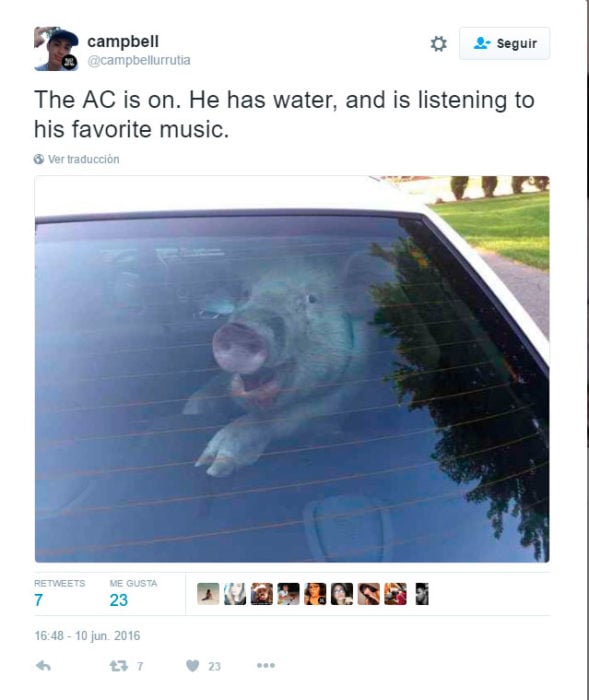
(439, 43)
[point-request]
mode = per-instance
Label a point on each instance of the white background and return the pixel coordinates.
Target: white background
(339, 47)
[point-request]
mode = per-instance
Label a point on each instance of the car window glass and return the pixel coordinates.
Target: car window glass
(354, 393)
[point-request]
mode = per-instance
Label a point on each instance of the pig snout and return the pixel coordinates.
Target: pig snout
(238, 348)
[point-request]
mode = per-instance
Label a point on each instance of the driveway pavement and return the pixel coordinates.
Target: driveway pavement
(528, 284)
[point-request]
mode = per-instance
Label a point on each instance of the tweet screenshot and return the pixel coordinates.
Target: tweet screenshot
(296, 411)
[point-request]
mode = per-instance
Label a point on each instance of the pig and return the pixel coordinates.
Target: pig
(284, 352)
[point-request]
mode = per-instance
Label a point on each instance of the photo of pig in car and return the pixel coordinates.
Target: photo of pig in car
(280, 386)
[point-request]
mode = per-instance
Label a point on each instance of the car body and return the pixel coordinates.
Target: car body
(279, 369)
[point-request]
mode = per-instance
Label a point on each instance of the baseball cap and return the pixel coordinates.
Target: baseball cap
(64, 34)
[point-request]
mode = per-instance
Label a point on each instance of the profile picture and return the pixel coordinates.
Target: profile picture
(315, 594)
(261, 594)
(207, 593)
(369, 594)
(234, 594)
(395, 594)
(288, 594)
(57, 44)
(422, 594)
(342, 594)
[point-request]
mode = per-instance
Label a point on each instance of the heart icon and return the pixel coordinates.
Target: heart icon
(192, 664)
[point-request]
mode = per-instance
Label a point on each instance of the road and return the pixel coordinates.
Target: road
(529, 285)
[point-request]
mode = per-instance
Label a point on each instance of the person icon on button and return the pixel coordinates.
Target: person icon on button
(482, 43)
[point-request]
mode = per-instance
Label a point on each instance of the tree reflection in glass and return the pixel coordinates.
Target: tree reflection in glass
(489, 409)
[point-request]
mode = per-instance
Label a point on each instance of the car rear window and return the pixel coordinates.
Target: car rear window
(349, 391)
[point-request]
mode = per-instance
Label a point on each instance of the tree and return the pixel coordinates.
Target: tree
(541, 182)
(489, 183)
(458, 185)
(517, 182)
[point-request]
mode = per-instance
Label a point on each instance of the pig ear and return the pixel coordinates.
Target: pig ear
(217, 303)
(361, 273)
(222, 299)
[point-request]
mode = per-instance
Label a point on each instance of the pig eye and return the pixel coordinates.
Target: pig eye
(312, 299)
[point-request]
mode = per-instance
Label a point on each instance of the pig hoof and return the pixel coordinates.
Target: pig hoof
(233, 447)
(218, 465)
(220, 469)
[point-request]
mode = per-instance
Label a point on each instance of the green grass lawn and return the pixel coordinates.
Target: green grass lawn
(515, 226)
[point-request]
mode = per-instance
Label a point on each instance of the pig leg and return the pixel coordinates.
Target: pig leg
(212, 399)
(243, 441)
(238, 444)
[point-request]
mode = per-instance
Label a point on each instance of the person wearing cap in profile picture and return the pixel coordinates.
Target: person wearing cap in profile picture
(59, 45)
